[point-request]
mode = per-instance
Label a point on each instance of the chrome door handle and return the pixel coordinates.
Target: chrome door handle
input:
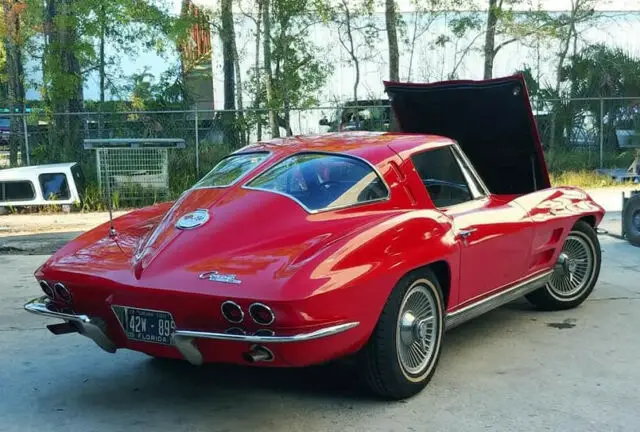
(466, 232)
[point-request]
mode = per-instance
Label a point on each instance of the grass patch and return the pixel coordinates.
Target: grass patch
(582, 179)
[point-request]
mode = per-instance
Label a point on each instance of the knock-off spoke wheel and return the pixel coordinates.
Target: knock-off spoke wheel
(402, 354)
(574, 268)
(416, 328)
(575, 273)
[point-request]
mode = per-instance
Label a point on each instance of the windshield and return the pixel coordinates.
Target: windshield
(232, 168)
(322, 182)
(4, 123)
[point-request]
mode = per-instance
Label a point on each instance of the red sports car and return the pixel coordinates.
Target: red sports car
(303, 250)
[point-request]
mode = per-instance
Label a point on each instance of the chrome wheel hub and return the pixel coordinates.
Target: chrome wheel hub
(574, 267)
(417, 329)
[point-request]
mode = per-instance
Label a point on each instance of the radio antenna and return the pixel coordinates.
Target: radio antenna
(112, 229)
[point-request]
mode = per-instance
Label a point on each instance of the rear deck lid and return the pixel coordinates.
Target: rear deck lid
(491, 120)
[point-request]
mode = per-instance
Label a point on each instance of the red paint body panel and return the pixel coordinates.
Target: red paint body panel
(313, 270)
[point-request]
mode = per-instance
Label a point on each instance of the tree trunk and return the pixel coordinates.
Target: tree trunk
(490, 38)
(229, 119)
(103, 28)
(266, 23)
(238, 87)
(561, 58)
(15, 75)
(240, 103)
(257, 97)
(63, 75)
(227, 54)
(392, 36)
(351, 49)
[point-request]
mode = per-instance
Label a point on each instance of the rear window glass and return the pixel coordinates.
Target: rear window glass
(231, 169)
(321, 181)
(4, 123)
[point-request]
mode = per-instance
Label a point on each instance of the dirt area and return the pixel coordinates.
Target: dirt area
(23, 224)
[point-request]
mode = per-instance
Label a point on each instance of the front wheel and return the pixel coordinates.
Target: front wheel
(575, 274)
(403, 351)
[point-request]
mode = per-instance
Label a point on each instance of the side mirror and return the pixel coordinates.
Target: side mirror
(324, 122)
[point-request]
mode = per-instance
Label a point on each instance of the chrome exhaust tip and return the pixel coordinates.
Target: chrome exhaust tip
(258, 353)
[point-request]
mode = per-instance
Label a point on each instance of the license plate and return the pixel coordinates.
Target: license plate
(146, 325)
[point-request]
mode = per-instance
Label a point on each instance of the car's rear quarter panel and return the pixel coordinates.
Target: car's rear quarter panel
(554, 212)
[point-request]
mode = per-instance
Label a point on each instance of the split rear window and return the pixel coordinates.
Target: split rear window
(320, 181)
(231, 169)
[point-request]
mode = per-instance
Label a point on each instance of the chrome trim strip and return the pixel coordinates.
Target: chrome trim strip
(62, 292)
(236, 305)
(239, 179)
(184, 340)
(503, 297)
(86, 327)
(44, 286)
(300, 337)
(471, 168)
(273, 316)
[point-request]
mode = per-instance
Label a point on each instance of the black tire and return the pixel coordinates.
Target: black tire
(581, 240)
(380, 360)
(631, 220)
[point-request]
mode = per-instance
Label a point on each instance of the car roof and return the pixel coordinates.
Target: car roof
(375, 147)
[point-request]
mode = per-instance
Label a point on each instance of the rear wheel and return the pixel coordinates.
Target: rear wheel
(631, 220)
(575, 274)
(403, 351)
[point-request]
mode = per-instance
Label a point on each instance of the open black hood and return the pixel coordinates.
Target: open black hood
(491, 120)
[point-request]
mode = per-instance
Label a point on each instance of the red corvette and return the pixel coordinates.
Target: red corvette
(303, 250)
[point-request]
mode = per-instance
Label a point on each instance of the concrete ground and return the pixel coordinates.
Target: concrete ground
(513, 369)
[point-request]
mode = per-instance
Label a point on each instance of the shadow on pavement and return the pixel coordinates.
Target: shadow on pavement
(36, 244)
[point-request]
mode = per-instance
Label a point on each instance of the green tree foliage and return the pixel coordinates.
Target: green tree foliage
(296, 67)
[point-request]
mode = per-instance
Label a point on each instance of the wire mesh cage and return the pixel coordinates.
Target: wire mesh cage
(133, 170)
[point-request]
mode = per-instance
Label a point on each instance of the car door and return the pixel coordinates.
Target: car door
(494, 233)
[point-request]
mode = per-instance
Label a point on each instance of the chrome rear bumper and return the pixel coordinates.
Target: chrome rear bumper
(183, 340)
(83, 324)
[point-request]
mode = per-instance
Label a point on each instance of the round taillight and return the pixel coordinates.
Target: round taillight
(235, 331)
(232, 312)
(62, 292)
(261, 314)
(46, 288)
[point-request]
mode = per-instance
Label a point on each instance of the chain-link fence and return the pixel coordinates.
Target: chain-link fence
(576, 134)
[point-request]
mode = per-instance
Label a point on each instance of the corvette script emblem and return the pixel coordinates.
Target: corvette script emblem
(193, 220)
(219, 277)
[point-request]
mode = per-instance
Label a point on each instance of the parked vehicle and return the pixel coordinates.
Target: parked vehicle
(304, 250)
(38, 185)
(360, 115)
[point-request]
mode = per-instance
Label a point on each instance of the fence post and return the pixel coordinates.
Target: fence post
(26, 136)
(601, 131)
(197, 144)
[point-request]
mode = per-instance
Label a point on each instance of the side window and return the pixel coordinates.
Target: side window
(54, 186)
(17, 190)
(442, 176)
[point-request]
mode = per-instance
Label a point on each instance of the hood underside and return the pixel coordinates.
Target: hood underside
(491, 120)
